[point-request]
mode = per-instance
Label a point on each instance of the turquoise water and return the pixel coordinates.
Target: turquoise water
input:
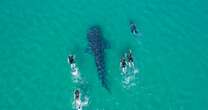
(36, 36)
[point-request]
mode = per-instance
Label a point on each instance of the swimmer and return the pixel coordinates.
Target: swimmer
(77, 94)
(130, 59)
(133, 28)
(71, 61)
(123, 64)
(78, 103)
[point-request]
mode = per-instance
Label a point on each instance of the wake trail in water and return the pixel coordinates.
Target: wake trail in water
(129, 76)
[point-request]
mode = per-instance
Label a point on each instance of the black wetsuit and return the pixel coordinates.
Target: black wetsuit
(133, 29)
(77, 97)
(76, 94)
(71, 59)
(123, 63)
(130, 58)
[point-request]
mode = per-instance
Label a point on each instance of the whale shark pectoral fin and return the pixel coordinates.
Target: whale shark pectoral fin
(106, 44)
(88, 50)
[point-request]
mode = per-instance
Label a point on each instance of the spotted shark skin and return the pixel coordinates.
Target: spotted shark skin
(97, 47)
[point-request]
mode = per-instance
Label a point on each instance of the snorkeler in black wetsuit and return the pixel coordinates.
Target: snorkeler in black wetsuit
(77, 100)
(78, 103)
(77, 94)
(130, 57)
(133, 28)
(71, 59)
(123, 62)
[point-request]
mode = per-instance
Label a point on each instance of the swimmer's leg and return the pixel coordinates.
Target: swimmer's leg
(85, 102)
(124, 70)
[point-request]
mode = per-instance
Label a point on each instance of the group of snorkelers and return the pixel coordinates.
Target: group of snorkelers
(75, 73)
(126, 61)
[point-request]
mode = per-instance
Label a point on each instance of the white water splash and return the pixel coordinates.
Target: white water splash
(128, 78)
(78, 104)
(75, 73)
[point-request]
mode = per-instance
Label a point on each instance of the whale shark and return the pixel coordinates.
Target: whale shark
(97, 45)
